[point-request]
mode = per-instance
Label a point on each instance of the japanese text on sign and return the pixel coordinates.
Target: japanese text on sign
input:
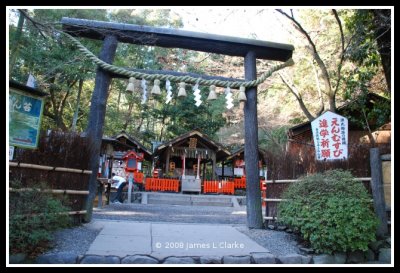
(330, 133)
(25, 115)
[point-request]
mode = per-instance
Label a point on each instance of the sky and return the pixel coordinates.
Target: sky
(261, 23)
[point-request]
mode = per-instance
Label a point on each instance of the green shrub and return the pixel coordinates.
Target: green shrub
(33, 216)
(331, 210)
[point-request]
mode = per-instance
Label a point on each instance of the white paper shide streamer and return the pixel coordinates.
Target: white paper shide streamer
(228, 97)
(197, 96)
(169, 91)
(144, 87)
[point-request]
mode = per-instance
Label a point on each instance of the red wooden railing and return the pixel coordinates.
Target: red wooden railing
(214, 186)
(138, 177)
(161, 184)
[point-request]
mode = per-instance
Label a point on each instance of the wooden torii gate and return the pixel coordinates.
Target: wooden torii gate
(112, 33)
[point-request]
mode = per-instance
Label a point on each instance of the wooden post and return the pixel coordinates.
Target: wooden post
(94, 130)
(198, 167)
(253, 194)
(377, 191)
(168, 153)
(204, 168)
(100, 195)
(223, 170)
(183, 165)
(213, 157)
(233, 168)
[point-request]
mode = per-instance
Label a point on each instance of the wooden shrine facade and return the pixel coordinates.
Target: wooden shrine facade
(234, 165)
(189, 154)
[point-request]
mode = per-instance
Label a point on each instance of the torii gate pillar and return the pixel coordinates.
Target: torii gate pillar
(253, 195)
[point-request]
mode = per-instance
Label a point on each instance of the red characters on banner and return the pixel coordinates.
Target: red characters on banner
(330, 136)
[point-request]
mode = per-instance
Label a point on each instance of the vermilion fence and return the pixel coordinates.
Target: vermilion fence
(138, 177)
(240, 183)
(162, 184)
(214, 186)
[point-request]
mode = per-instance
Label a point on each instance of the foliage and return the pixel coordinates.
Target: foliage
(33, 216)
(366, 76)
(331, 210)
(274, 140)
(370, 45)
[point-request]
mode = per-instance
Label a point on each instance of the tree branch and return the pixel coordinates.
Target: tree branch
(297, 94)
(314, 52)
(339, 69)
(35, 24)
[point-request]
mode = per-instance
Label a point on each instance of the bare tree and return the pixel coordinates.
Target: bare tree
(330, 86)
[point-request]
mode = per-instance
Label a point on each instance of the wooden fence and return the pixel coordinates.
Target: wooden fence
(77, 194)
(61, 163)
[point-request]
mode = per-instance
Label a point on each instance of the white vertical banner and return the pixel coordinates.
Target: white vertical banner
(330, 132)
(11, 153)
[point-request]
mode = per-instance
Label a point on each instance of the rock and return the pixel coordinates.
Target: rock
(385, 255)
(386, 157)
(271, 227)
(236, 260)
(307, 250)
(139, 259)
(306, 259)
(289, 230)
(355, 257)
(324, 259)
(17, 258)
(264, 258)
(340, 257)
(179, 260)
(282, 228)
(369, 255)
(58, 258)
(290, 259)
(376, 245)
(95, 259)
(210, 260)
(112, 260)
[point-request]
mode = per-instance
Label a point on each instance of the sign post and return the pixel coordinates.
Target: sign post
(25, 115)
(330, 132)
(130, 180)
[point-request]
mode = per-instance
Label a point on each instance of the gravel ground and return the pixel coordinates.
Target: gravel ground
(77, 240)
(277, 242)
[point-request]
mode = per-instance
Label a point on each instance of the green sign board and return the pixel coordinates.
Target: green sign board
(25, 115)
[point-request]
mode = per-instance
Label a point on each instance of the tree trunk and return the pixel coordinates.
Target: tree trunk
(253, 194)
(128, 115)
(75, 119)
(377, 191)
(18, 34)
(382, 34)
(94, 130)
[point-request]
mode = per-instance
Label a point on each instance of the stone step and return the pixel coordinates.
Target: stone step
(168, 197)
(169, 202)
(215, 204)
(211, 199)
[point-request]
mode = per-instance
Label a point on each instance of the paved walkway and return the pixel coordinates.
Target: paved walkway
(122, 238)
